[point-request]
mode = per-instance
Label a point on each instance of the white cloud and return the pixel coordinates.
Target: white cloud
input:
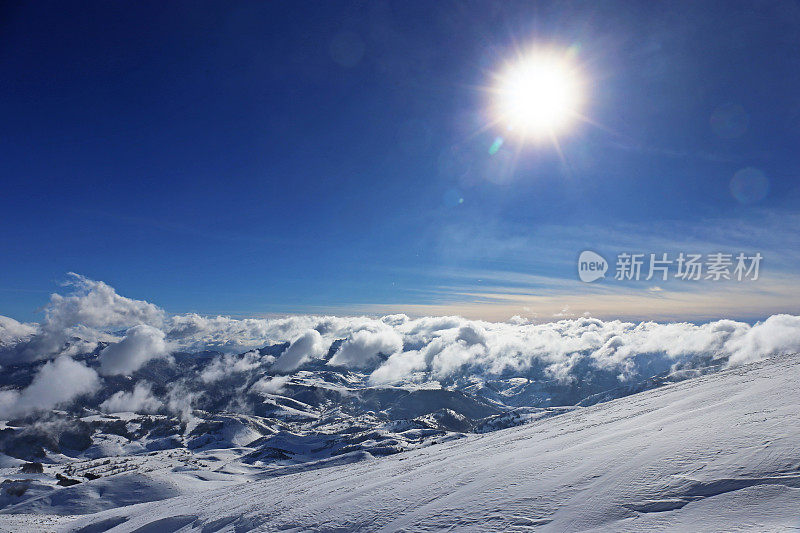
(270, 385)
(76, 322)
(400, 366)
(181, 399)
(228, 364)
(141, 343)
(57, 382)
(436, 348)
(310, 345)
(776, 335)
(139, 400)
(454, 357)
(363, 347)
(518, 320)
(195, 332)
(98, 305)
(13, 332)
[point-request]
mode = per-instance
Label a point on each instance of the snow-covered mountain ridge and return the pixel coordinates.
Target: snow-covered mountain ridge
(715, 453)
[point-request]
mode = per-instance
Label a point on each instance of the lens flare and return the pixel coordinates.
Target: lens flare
(539, 95)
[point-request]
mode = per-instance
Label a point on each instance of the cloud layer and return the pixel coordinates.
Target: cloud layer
(391, 350)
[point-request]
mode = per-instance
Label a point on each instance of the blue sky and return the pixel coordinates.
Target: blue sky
(291, 157)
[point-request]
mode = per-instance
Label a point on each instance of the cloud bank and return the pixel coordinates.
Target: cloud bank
(391, 350)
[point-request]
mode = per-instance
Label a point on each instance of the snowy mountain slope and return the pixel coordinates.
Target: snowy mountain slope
(720, 452)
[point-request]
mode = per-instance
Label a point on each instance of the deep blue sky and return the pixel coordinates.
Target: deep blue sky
(250, 158)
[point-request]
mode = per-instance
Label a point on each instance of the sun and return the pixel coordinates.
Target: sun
(538, 96)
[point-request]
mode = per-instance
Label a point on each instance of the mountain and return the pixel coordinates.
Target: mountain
(713, 453)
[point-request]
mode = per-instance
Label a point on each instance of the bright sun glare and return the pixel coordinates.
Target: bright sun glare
(538, 96)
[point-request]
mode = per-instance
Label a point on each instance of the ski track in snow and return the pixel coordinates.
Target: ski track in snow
(720, 452)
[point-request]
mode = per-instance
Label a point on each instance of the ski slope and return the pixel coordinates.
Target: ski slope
(719, 452)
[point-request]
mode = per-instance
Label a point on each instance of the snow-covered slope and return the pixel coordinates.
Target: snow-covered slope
(720, 452)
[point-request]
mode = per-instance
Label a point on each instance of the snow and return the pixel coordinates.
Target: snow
(100, 494)
(718, 452)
